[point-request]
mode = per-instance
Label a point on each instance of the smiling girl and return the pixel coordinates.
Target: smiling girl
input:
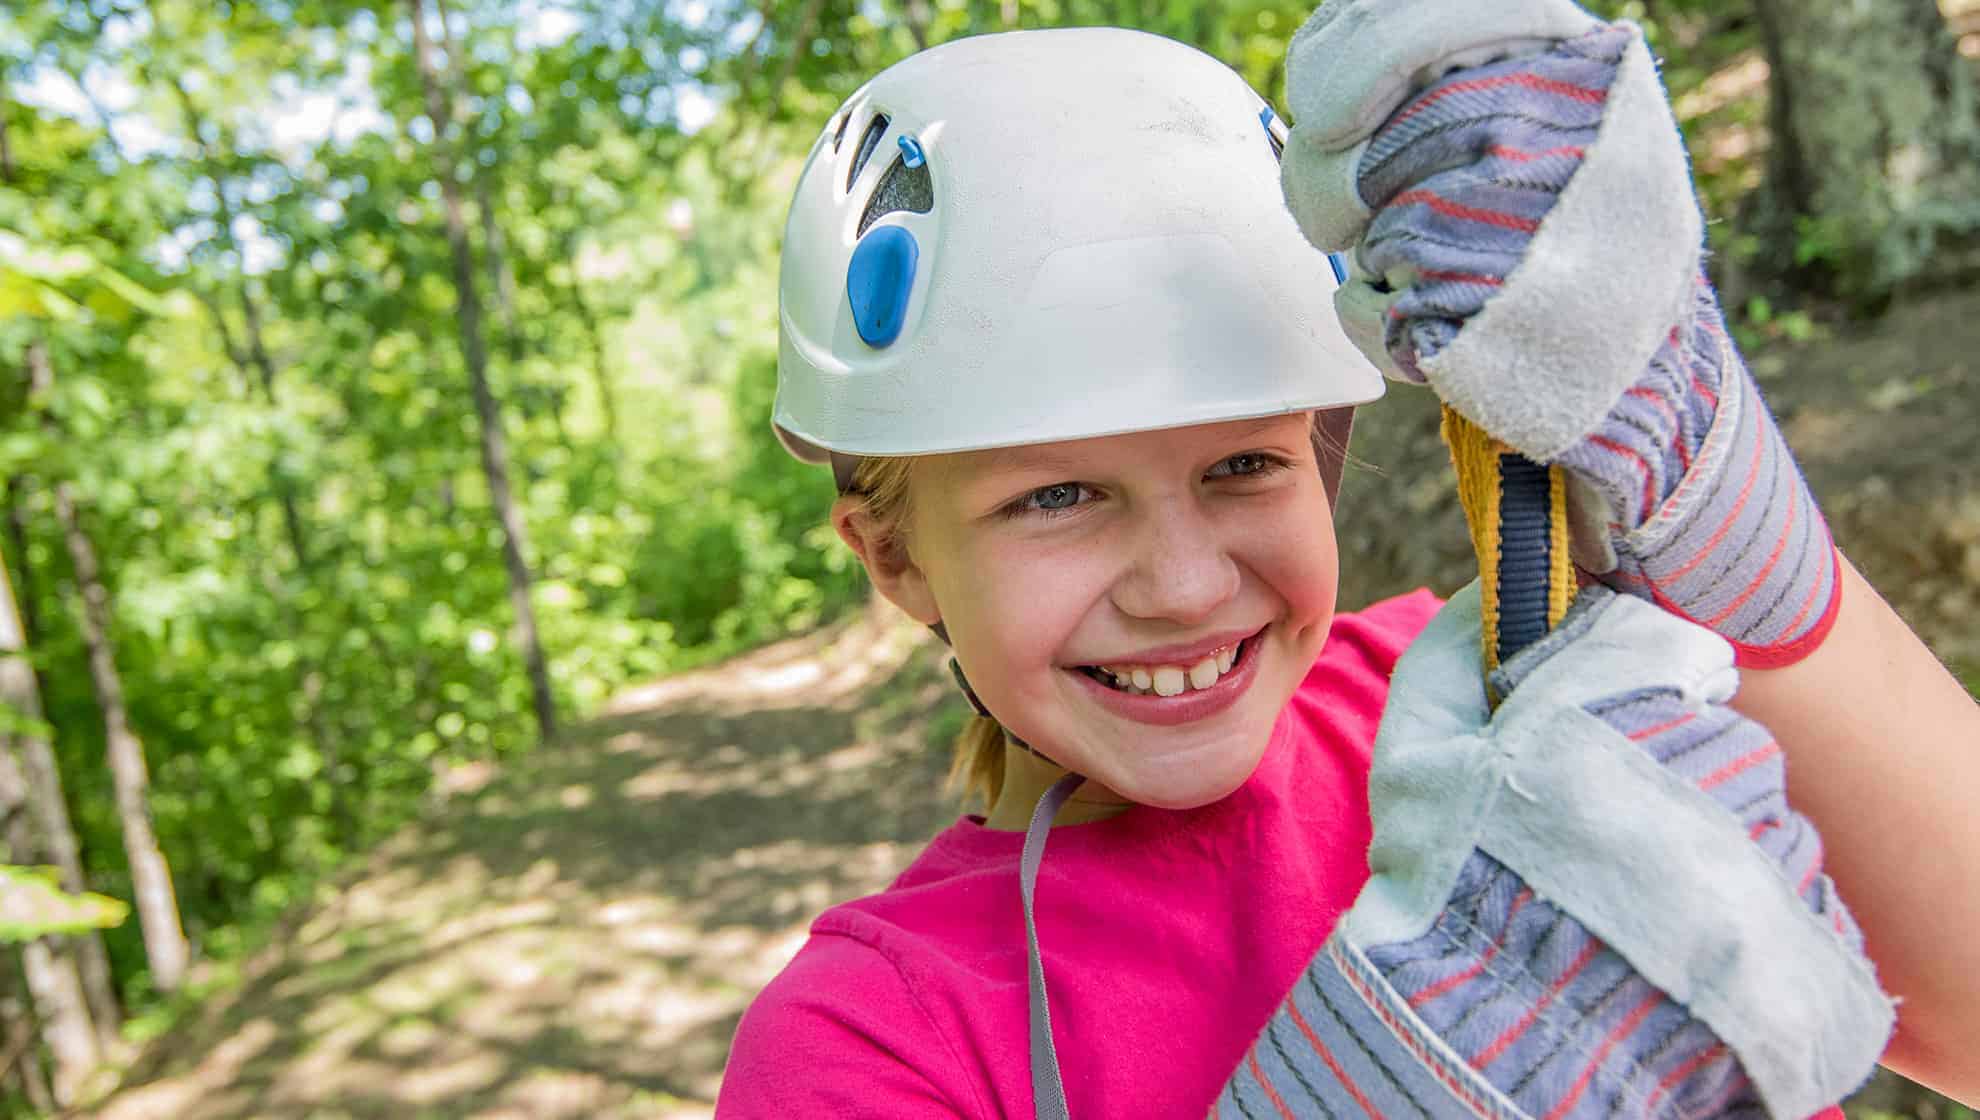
(1047, 316)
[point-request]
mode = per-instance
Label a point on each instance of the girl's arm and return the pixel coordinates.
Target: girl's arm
(1883, 749)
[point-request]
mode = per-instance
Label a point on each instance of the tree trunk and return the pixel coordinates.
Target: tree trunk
(156, 902)
(494, 453)
(20, 688)
(19, 1059)
(151, 877)
(495, 252)
(1871, 181)
(52, 978)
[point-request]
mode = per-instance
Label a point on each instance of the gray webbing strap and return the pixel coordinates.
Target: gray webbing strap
(1048, 1093)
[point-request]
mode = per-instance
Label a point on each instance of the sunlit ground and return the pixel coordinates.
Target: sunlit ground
(578, 936)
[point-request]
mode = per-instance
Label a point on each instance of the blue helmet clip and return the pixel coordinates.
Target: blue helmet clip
(879, 281)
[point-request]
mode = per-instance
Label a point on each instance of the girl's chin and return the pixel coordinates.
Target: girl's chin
(1185, 783)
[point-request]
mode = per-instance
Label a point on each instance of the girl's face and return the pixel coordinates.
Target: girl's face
(1137, 607)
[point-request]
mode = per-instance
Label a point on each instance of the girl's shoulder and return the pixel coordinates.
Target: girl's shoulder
(839, 1032)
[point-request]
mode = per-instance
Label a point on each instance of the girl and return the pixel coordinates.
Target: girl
(1046, 315)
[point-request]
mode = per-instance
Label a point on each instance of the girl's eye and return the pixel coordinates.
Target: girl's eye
(1249, 463)
(1060, 497)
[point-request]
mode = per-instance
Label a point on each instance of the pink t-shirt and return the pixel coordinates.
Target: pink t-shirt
(1168, 936)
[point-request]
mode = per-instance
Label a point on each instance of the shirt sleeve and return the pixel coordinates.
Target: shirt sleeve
(839, 1033)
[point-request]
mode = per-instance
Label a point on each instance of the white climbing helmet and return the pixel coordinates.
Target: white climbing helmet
(1048, 235)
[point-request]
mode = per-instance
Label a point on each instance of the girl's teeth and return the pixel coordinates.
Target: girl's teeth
(1171, 680)
(1203, 674)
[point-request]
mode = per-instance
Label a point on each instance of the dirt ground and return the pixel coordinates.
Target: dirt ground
(577, 935)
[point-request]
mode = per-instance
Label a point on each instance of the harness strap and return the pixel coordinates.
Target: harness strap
(1048, 1092)
(1516, 510)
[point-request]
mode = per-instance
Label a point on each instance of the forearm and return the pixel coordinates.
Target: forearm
(1883, 750)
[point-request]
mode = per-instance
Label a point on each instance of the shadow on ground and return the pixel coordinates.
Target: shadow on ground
(577, 935)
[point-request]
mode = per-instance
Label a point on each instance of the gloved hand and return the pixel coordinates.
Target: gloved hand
(1594, 901)
(1528, 243)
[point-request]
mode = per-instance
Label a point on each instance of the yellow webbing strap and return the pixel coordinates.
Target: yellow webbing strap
(1517, 513)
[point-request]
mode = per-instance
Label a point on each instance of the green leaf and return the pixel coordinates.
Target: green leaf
(33, 904)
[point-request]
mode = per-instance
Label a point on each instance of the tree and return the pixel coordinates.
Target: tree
(20, 691)
(494, 449)
(1872, 176)
(151, 875)
(52, 980)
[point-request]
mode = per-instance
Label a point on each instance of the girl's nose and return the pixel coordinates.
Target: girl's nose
(1181, 569)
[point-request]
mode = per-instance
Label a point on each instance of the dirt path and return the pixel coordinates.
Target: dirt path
(577, 935)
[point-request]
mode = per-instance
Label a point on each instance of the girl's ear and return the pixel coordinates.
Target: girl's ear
(885, 555)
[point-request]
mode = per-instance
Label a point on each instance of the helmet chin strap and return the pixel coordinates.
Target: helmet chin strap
(955, 669)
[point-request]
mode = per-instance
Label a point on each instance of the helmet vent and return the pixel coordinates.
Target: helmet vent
(839, 134)
(868, 141)
(902, 188)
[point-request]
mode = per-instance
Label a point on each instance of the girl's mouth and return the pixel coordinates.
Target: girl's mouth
(1175, 694)
(1172, 680)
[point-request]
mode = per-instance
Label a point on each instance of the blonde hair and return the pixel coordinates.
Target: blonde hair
(977, 768)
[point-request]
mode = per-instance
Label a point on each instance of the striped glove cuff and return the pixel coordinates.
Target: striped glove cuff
(1707, 514)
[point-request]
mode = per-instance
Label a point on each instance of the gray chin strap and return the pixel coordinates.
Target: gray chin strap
(1048, 1091)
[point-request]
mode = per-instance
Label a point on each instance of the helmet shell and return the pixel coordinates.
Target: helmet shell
(1105, 249)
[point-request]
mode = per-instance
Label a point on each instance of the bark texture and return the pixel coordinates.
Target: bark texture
(1871, 177)
(494, 449)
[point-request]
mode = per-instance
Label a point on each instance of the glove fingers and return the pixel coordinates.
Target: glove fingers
(1354, 61)
(1506, 118)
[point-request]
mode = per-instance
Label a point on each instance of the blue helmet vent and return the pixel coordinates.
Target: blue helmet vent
(878, 283)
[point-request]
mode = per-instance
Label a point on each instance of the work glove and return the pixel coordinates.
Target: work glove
(1593, 901)
(1527, 242)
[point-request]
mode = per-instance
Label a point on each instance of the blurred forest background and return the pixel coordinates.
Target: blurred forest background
(384, 390)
